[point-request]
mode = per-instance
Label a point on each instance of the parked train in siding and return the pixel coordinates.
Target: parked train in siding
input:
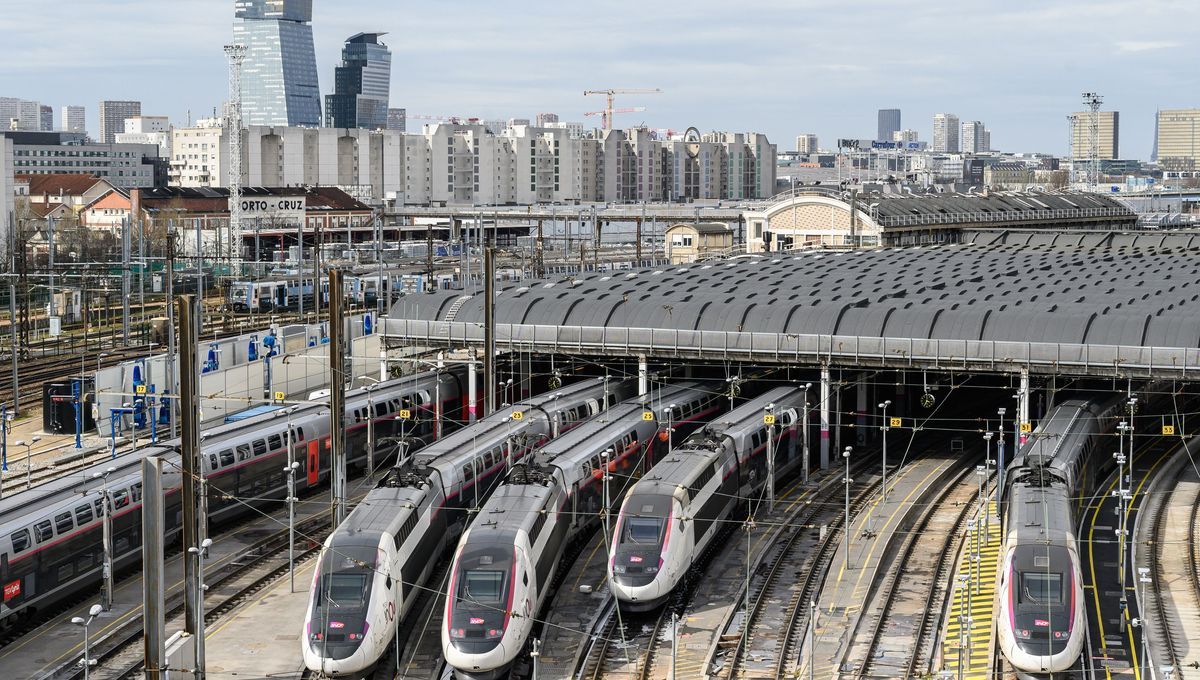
(673, 514)
(374, 565)
(51, 536)
(507, 559)
(1042, 624)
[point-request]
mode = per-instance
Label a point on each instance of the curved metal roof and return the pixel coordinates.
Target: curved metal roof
(1139, 289)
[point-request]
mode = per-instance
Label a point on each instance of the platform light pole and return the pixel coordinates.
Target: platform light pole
(769, 419)
(290, 470)
(885, 427)
(28, 458)
(200, 553)
(106, 596)
(87, 661)
(987, 461)
(980, 526)
(1000, 455)
(670, 411)
(846, 526)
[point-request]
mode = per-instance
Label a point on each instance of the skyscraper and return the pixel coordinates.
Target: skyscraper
(889, 124)
(74, 119)
(361, 85)
(806, 143)
(945, 133)
(112, 118)
(1108, 127)
(279, 76)
(972, 138)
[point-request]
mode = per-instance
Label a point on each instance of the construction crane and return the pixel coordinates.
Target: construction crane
(609, 93)
(606, 113)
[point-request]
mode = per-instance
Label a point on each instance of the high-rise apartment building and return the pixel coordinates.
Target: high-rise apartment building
(46, 118)
(20, 114)
(397, 120)
(361, 85)
(1179, 139)
(74, 119)
(806, 143)
(545, 119)
(1109, 129)
(972, 138)
(905, 136)
(112, 118)
(945, 133)
(987, 140)
(889, 124)
(279, 75)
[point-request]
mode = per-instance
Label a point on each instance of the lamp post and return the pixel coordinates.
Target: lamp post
(886, 426)
(1144, 579)
(28, 458)
(846, 526)
(769, 419)
(1000, 455)
(987, 519)
(87, 662)
(981, 526)
(290, 470)
(670, 410)
(1122, 498)
(106, 596)
(200, 552)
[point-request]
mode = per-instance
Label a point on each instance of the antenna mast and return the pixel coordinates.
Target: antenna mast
(1093, 101)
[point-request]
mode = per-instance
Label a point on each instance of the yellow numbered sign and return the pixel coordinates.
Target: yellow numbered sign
(647, 415)
(895, 422)
(140, 389)
(280, 396)
(518, 415)
(405, 414)
(1168, 430)
(769, 419)
(1026, 428)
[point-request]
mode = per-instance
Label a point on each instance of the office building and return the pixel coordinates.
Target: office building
(154, 130)
(972, 138)
(74, 119)
(806, 143)
(906, 136)
(987, 140)
(889, 124)
(46, 118)
(1178, 139)
(361, 85)
(279, 75)
(1109, 128)
(20, 114)
(112, 118)
(397, 120)
(7, 191)
(123, 165)
(945, 133)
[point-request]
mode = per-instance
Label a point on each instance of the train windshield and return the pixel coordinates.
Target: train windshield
(1041, 588)
(643, 530)
(482, 585)
(345, 590)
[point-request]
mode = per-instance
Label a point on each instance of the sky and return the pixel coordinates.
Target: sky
(781, 67)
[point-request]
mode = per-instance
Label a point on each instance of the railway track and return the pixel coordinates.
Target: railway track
(900, 640)
(622, 647)
(1174, 599)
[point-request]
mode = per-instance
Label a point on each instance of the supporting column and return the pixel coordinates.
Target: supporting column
(825, 384)
(1023, 405)
(337, 400)
(153, 593)
(643, 377)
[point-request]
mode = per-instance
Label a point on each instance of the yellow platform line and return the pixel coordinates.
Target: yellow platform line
(976, 657)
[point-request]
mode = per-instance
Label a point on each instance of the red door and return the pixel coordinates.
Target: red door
(314, 461)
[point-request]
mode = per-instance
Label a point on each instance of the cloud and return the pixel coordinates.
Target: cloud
(1130, 46)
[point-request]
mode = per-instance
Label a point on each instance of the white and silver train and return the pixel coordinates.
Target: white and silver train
(673, 514)
(1042, 623)
(507, 559)
(378, 560)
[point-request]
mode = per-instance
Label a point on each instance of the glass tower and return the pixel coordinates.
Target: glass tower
(361, 85)
(279, 76)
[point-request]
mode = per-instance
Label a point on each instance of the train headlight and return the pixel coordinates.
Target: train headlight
(1022, 634)
(651, 570)
(494, 633)
(620, 569)
(458, 633)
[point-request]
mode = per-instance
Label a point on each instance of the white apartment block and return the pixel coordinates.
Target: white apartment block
(905, 136)
(806, 143)
(945, 133)
(199, 155)
(148, 130)
(972, 138)
(74, 119)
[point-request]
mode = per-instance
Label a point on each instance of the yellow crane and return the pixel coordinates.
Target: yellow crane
(609, 110)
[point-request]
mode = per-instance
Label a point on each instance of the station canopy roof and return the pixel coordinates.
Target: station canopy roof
(1094, 288)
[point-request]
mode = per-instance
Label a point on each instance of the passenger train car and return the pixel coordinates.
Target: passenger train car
(1042, 622)
(51, 536)
(673, 514)
(279, 293)
(507, 559)
(376, 563)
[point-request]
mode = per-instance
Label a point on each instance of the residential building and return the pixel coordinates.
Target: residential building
(279, 75)
(987, 140)
(361, 85)
(46, 118)
(945, 133)
(397, 120)
(905, 136)
(74, 119)
(545, 119)
(889, 124)
(20, 114)
(971, 139)
(123, 165)
(148, 130)
(1108, 125)
(574, 129)
(199, 154)
(112, 118)
(72, 190)
(806, 143)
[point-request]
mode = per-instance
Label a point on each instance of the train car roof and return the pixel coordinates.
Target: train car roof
(677, 468)
(1039, 512)
(376, 512)
(510, 506)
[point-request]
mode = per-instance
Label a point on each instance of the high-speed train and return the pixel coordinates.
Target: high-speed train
(375, 564)
(51, 542)
(673, 513)
(506, 560)
(1042, 622)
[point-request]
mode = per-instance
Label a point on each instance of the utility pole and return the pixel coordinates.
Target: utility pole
(886, 426)
(846, 526)
(337, 399)
(489, 329)
(153, 594)
(106, 596)
(190, 459)
(125, 264)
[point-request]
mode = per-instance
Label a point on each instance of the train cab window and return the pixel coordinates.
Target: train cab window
(63, 523)
(227, 457)
(137, 492)
(260, 447)
(482, 585)
(20, 540)
(643, 530)
(44, 531)
(83, 514)
(1039, 587)
(120, 498)
(274, 442)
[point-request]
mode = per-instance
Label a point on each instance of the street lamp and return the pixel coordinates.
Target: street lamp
(1000, 455)
(28, 458)
(106, 597)
(290, 471)
(87, 661)
(200, 552)
(846, 526)
(886, 426)
(670, 411)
